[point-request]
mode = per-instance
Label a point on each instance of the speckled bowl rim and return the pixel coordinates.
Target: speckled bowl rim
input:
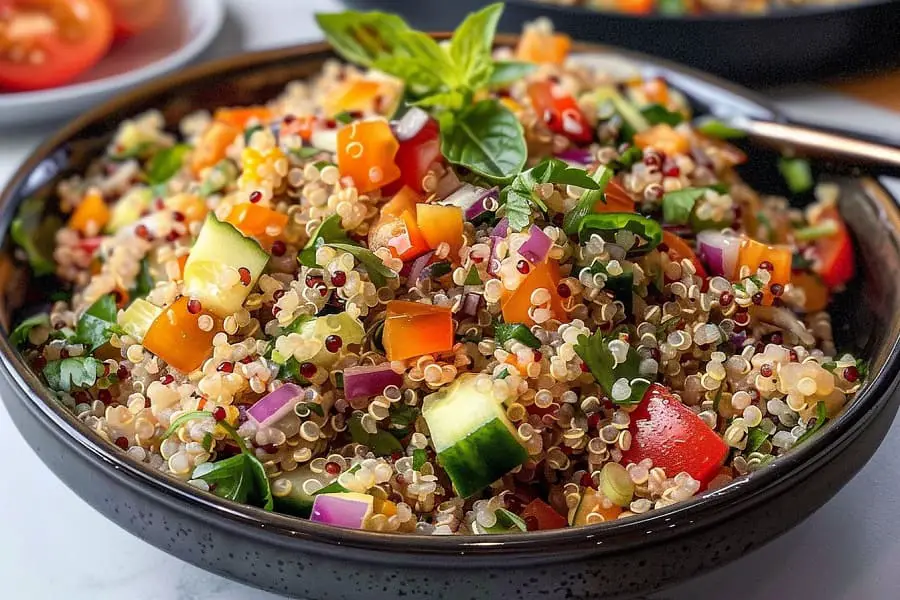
(554, 545)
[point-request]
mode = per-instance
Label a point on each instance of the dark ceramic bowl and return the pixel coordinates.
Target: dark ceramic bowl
(308, 560)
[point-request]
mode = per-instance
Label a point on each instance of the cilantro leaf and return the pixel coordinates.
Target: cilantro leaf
(378, 272)
(98, 323)
(68, 373)
(166, 163)
(328, 232)
(607, 371)
(19, 335)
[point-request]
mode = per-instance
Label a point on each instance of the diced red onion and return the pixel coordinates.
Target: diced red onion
(719, 251)
(368, 381)
(471, 304)
(447, 184)
(342, 510)
(501, 229)
(537, 246)
(464, 197)
(577, 156)
(275, 405)
(410, 124)
(418, 267)
(481, 205)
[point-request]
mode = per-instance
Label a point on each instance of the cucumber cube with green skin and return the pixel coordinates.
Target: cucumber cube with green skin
(296, 501)
(138, 317)
(221, 248)
(475, 441)
(129, 208)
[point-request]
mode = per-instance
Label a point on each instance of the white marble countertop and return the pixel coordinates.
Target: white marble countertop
(56, 546)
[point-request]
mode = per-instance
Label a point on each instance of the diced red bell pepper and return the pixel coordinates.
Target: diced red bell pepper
(559, 111)
(543, 515)
(678, 249)
(416, 155)
(834, 254)
(674, 438)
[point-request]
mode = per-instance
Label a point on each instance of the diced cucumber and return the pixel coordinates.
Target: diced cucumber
(632, 117)
(218, 248)
(474, 439)
(296, 501)
(348, 328)
(138, 317)
(129, 208)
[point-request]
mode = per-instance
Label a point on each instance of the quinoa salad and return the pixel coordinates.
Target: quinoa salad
(677, 8)
(442, 288)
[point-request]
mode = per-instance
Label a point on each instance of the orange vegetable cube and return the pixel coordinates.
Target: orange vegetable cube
(593, 502)
(91, 215)
(366, 152)
(657, 91)
(404, 200)
(192, 207)
(540, 46)
(360, 94)
(753, 254)
(515, 304)
(814, 290)
(663, 138)
(213, 144)
(615, 199)
(175, 336)
(182, 260)
(257, 221)
(441, 224)
(408, 242)
(240, 117)
(413, 329)
(635, 7)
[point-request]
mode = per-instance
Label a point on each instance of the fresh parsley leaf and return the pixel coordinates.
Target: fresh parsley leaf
(485, 138)
(509, 71)
(363, 38)
(166, 163)
(36, 235)
(678, 205)
(658, 114)
(378, 272)
(328, 232)
(381, 443)
(596, 354)
(503, 332)
(420, 457)
(472, 44)
(98, 323)
(66, 374)
(522, 195)
(19, 335)
(587, 201)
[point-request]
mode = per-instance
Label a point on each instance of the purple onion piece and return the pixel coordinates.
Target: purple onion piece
(719, 251)
(481, 205)
(464, 197)
(501, 229)
(418, 267)
(537, 246)
(348, 510)
(275, 405)
(578, 156)
(447, 184)
(410, 124)
(368, 381)
(471, 304)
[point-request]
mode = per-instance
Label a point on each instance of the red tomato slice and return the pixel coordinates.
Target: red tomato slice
(132, 17)
(835, 263)
(415, 156)
(47, 43)
(674, 438)
(559, 111)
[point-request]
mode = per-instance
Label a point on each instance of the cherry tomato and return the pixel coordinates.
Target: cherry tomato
(416, 155)
(834, 253)
(559, 111)
(132, 17)
(47, 43)
(674, 438)
(543, 515)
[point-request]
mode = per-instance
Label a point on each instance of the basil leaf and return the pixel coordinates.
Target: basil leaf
(678, 205)
(261, 490)
(587, 201)
(378, 272)
(19, 335)
(381, 443)
(328, 232)
(97, 325)
(36, 235)
(362, 38)
(503, 332)
(230, 478)
(597, 355)
(657, 114)
(166, 163)
(509, 71)
(487, 139)
(472, 43)
(420, 457)
(65, 374)
(522, 194)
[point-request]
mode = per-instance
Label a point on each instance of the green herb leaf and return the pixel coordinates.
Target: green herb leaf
(261, 492)
(503, 332)
(381, 443)
(678, 205)
(420, 457)
(290, 371)
(181, 420)
(378, 272)
(797, 174)
(299, 324)
(756, 437)
(36, 235)
(627, 159)
(19, 335)
(658, 114)
(166, 163)
(717, 129)
(487, 139)
(506, 521)
(509, 71)
(306, 152)
(363, 38)
(521, 195)
(336, 488)
(473, 278)
(304, 409)
(821, 419)
(144, 283)
(207, 442)
(248, 133)
(587, 201)
(503, 374)
(68, 373)
(596, 354)
(344, 117)
(472, 44)
(439, 269)
(223, 174)
(446, 100)
(330, 231)
(97, 325)
(402, 417)
(231, 478)
(647, 231)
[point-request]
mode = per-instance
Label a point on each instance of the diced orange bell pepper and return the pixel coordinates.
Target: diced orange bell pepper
(384, 507)
(615, 199)
(239, 117)
(679, 249)
(814, 290)
(413, 329)
(664, 138)
(404, 200)
(175, 336)
(359, 94)
(538, 46)
(635, 7)
(366, 151)
(91, 215)
(656, 90)
(441, 224)
(753, 254)
(409, 242)
(182, 260)
(515, 304)
(213, 144)
(255, 221)
(192, 207)
(592, 501)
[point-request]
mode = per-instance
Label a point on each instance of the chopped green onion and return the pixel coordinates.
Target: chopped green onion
(826, 228)
(797, 174)
(718, 129)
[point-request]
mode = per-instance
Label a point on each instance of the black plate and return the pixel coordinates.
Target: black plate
(314, 561)
(781, 47)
